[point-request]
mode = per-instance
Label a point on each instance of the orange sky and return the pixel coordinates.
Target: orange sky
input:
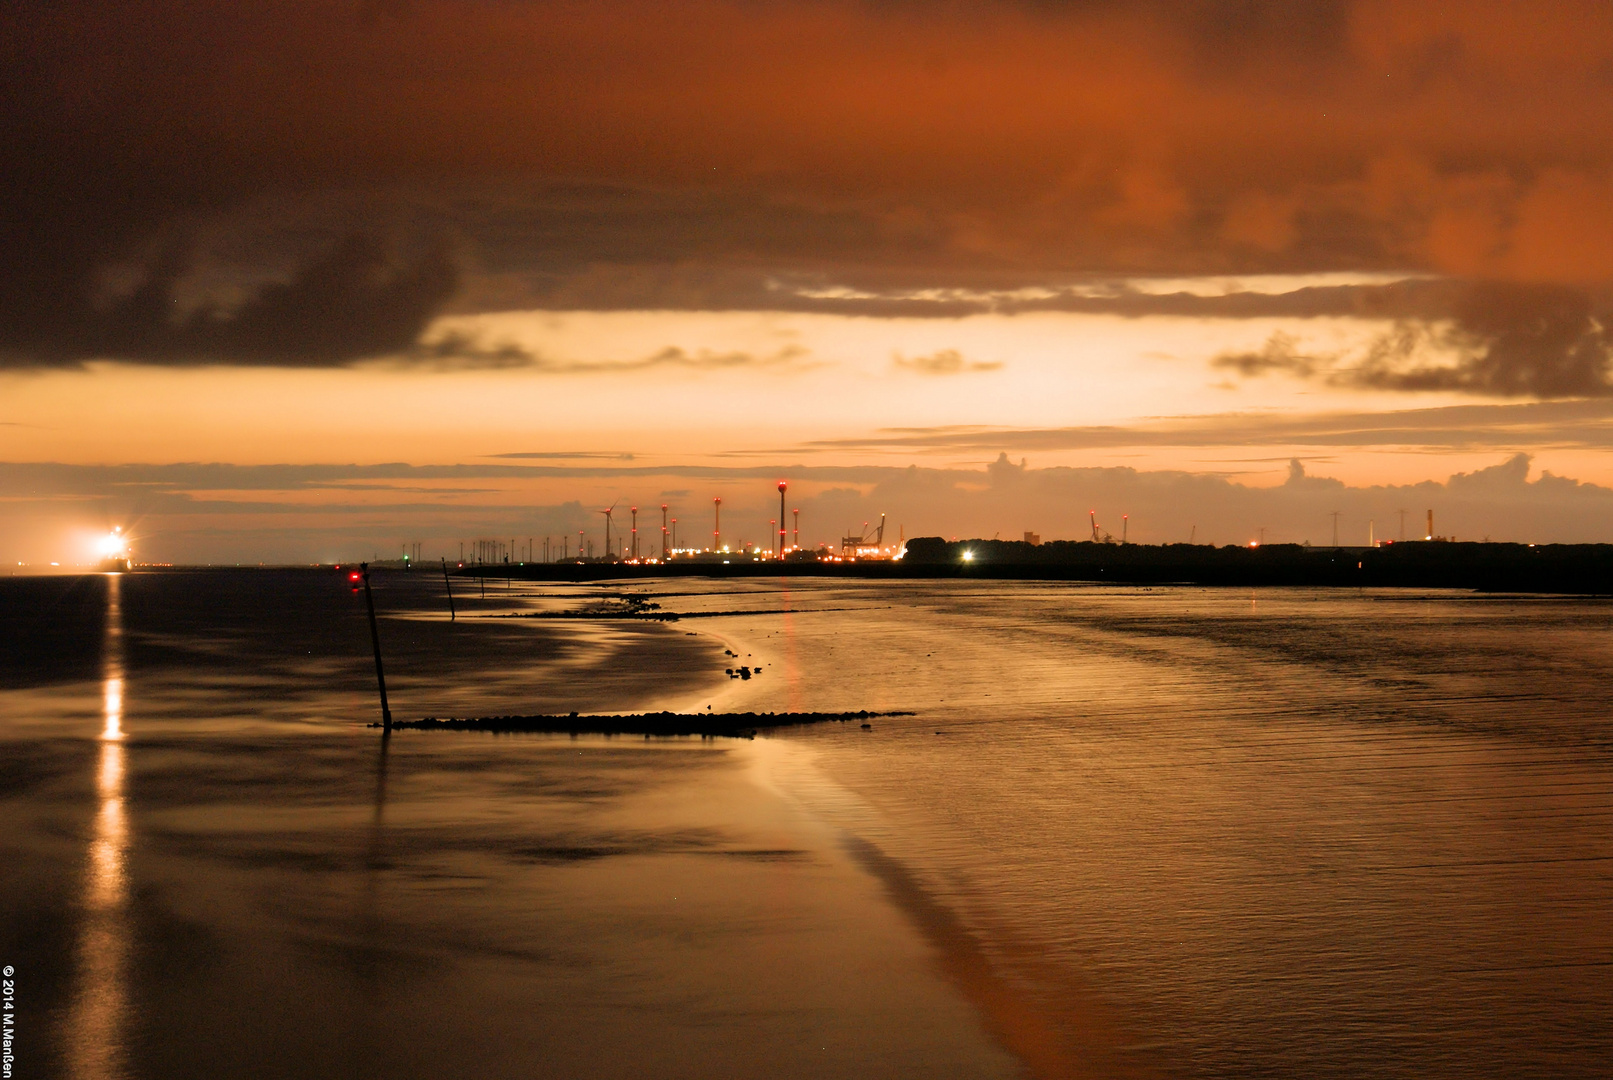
(782, 236)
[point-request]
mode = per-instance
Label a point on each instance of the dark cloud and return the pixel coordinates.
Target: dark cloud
(1493, 338)
(460, 350)
(705, 359)
(1278, 354)
(944, 362)
(1571, 424)
(1508, 341)
(354, 301)
(1488, 338)
(178, 178)
(1240, 31)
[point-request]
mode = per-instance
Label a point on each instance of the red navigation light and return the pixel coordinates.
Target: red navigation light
(354, 576)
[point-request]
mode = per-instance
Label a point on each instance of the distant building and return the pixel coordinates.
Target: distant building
(1033, 538)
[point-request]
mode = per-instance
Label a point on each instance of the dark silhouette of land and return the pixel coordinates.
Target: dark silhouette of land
(1549, 568)
(727, 725)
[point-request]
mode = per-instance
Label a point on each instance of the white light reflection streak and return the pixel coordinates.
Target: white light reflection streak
(96, 1021)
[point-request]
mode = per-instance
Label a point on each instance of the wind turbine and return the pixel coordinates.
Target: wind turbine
(607, 514)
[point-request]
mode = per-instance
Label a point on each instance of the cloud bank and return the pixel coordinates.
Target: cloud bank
(1493, 339)
(301, 183)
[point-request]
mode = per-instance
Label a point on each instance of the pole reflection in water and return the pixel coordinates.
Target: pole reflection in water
(96, 1021)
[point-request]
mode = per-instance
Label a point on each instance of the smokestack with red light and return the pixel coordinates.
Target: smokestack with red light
(781, 486)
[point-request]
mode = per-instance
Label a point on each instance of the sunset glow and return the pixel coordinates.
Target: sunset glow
(616, 267)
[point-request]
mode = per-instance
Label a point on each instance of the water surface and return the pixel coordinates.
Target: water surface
(1174, 832)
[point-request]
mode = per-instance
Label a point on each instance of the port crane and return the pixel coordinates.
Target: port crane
(851, 546)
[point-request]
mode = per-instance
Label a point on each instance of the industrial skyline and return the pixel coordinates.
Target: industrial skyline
(495, 551)
(1509, 501)
(867, 542)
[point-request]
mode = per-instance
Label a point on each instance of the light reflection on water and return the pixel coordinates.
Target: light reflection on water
(304, 896)
(112, 703)
(1187, 832)
(96, 1021)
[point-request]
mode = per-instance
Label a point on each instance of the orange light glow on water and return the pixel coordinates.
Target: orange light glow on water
(106, 879)
(98, 1016)
(112, 709)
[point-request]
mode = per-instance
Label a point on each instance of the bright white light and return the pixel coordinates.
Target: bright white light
(968, 556)
(112, 545)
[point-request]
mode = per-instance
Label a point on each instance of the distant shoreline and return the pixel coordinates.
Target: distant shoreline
(1568, 569)
(1579, 569)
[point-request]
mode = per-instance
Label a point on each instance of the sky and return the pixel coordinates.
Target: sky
(309, 281)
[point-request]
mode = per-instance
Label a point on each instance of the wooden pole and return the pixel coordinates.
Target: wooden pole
(449, 586)
(375, 640)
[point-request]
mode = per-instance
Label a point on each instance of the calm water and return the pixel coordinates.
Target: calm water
(1171, 832)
